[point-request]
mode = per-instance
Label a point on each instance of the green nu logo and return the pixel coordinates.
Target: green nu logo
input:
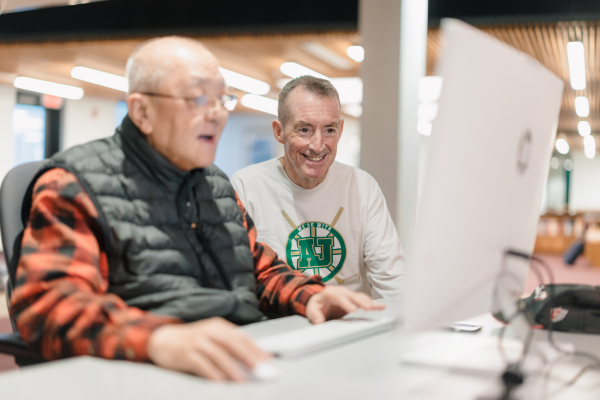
(316, 246)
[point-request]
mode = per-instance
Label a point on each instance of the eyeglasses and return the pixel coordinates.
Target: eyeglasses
(204, 103)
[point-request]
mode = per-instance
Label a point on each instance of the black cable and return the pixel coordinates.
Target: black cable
(513, 377)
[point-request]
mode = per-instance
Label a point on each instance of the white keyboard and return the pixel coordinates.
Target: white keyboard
(318, 337)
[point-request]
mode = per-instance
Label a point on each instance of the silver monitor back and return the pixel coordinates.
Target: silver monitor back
(489, 156)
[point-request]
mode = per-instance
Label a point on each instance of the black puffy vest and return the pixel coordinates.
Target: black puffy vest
(175, 240)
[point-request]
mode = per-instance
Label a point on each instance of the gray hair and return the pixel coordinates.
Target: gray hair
(313, 85)
(144, 75)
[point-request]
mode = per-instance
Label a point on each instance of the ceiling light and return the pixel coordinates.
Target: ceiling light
(584, 128)
(589, 146)
(357, 53)
(325, 54)
(55, 89)
(350, 90)
(582, 106)
(430, 88)
(427, 111)
(259, 103)
(244, 82)
(562, 146)
(354, 110)
(100, 78)
(568, 165)
(295, 70)
(575, 54)
(424, 127)
(555, 163)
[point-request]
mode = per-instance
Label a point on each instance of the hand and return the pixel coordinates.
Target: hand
(212, 348)
(335, 302)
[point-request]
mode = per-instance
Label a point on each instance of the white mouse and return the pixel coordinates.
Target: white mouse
(264, 371)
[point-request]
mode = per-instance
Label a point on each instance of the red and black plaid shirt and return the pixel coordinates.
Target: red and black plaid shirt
(60, 301)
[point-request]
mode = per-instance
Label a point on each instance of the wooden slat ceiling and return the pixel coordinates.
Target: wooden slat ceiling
(547, 42)
(261, 56)
(258, 57)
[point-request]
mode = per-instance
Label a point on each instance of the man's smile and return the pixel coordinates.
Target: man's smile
(315, 159)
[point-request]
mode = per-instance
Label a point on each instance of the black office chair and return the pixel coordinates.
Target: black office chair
(12, 193)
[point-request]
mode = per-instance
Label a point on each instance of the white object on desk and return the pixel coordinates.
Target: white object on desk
(319, 337)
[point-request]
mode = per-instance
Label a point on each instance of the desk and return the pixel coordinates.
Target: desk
(365, 369)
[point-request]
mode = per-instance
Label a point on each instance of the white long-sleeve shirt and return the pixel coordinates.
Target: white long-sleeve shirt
(341, 229)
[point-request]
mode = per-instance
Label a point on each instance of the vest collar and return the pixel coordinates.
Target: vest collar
(148, 159)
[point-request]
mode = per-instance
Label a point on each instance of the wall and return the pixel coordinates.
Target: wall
(7, 103)
(87, 119)
(234, 151)
(585, 183)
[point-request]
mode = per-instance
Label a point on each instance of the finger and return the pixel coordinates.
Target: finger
(315, 314)
(221, 359)
(200, 365)
(241, 347)
(344, 302)
(366, 303)
(361, 300)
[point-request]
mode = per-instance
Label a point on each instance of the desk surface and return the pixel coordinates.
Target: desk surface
(370, 368)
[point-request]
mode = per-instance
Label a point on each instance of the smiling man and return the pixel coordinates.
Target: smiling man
(137, 247)
(323, 217)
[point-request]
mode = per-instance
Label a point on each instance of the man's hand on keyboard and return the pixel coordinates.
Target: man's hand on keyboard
(212, 348)
(335, 302)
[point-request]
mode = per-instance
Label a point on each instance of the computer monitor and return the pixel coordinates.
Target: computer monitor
(488, 161)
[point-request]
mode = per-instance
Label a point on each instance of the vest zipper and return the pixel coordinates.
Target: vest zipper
(208, 248)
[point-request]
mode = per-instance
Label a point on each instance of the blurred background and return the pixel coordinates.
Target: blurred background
(62, 65)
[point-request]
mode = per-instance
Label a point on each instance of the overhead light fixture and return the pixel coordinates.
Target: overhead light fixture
(101, 78)
(354, 110)
(427, 111)
(55, 89)
(554, 163)
(350, 90)
(568, 165)
(562, 146)
(584, 128)
(582, 106)
(357, 53)
(430, 88)
(327, 55)
(244, 82)
(260, 103)
(589, 146)
(295, 70)
(576, 57)
(424, 127)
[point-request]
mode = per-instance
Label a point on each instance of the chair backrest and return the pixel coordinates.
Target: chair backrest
(12, 193)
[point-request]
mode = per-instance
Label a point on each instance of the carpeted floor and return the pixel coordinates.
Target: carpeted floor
(581, 272)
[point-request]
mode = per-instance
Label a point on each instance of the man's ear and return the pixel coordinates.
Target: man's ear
(278, 131)
(341, 129)
(141, 112)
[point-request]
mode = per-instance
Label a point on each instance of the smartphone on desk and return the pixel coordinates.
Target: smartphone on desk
(465, 327)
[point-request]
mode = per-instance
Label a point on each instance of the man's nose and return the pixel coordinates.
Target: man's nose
(317, 145)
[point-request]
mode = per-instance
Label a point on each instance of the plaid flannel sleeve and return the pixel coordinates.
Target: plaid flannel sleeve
(279, 288)
(60, 301)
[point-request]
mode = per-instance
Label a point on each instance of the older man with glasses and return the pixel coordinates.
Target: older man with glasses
(138, 248)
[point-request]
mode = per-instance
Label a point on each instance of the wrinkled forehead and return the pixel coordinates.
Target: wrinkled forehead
(189, 68)
(313, 109)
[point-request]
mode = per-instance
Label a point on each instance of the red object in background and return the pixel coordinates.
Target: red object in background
(53, 102)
